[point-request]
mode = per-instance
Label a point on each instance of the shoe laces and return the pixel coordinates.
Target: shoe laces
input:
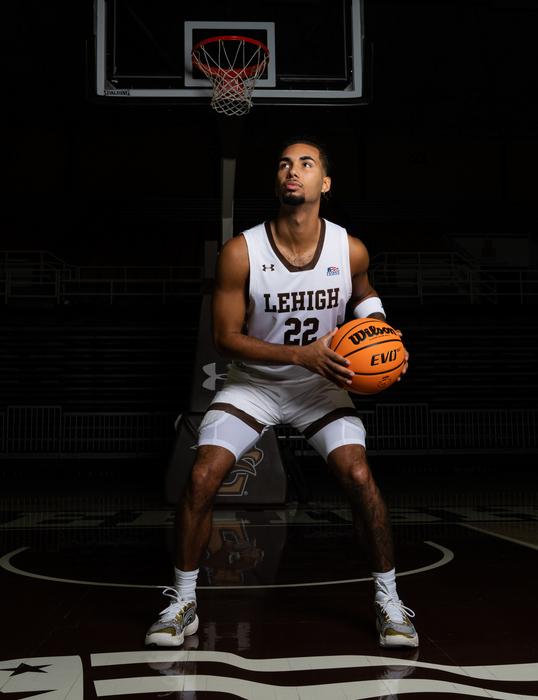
(395, 608)
(174, 606)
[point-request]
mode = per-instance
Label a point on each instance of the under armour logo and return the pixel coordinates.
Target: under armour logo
(268, 267)
(212, 376)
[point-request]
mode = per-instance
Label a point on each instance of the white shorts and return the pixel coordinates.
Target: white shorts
(246, 406)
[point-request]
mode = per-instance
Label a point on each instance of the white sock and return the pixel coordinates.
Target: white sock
(185, 583)
(385, 585)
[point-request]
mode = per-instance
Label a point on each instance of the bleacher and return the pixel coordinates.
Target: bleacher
(97, 373)
(132, 359)
(479, 356)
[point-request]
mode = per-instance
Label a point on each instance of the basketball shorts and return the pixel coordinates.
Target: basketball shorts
(247, 406)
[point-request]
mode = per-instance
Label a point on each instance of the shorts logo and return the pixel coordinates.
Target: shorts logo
(271, 268)
(331, 271)
(213, 376)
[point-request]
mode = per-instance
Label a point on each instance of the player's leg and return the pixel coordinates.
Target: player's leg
(370, 514)
(195, 508)
(372, 524)
(223, 438)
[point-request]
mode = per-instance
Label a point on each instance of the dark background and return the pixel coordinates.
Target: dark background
(451, 132)
(442, 159)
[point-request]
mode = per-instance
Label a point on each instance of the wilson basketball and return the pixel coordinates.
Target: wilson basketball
(375, 352)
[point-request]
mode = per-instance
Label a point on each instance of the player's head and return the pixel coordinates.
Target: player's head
(302, 172)
(309, 141)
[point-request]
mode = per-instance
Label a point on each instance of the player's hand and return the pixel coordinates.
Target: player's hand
(319, 358)
(406, 358)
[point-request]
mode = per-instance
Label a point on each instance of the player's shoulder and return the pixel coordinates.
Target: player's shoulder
(358, 253)
(235, 248)
(233, 258)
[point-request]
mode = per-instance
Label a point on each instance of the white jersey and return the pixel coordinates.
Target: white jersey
(295, 305)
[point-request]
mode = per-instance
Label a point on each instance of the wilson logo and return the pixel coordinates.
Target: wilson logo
(370, 332)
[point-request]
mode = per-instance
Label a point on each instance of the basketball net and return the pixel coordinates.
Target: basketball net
(233, 64)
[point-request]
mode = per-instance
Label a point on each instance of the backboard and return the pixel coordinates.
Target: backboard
(143, 50)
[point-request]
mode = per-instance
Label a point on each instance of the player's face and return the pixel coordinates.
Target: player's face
(300, 175)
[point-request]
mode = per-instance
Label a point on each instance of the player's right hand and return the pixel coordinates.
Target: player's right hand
(319, 358)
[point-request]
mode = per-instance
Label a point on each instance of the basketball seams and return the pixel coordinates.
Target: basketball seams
(380, 367)
(360, 323)
(344, 336)
(373, 345)
(375, 374)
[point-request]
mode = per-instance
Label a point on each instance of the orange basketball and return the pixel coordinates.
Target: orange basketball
(375, 351)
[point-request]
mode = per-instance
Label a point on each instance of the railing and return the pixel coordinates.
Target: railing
(99, 283)
(421, 276)
(47, 431)
(35, 259)
(41, 431)
(417, 275)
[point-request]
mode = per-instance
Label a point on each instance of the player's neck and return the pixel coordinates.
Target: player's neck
(298, 224)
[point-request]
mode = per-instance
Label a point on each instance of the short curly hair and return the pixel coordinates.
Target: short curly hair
(309, 141)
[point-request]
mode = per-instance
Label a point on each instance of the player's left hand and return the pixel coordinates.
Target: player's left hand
(406, 358)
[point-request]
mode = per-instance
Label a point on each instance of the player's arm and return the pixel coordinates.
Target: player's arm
(229, 312)
(365, 301)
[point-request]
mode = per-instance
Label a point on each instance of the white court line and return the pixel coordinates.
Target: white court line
(530, 545)
(5, 563)
(252, 690)
(497, 672)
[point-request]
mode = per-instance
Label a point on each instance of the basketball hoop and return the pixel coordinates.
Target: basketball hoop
(233, 64)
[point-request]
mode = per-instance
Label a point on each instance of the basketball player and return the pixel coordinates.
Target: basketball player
(281, 289)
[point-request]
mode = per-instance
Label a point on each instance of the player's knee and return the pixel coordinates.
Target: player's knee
(203, 485)
(356, 472)
(359, 473)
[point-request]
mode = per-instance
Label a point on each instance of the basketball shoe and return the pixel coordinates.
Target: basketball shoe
(177, 621)
(393, 623)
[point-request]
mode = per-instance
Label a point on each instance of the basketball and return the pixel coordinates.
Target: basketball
(375, 351)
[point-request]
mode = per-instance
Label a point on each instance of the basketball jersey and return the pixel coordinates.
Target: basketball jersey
(293, 305)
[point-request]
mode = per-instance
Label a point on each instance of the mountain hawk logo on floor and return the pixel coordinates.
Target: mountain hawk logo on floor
(331, 271)
(236, 481)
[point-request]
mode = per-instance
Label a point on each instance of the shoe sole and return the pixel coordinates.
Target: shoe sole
(160, 639)
(398, 641)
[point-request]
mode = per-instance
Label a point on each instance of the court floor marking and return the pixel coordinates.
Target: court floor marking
(498, 672)
(252, 690)
(6, 563)
(61, 677)
(513, 540)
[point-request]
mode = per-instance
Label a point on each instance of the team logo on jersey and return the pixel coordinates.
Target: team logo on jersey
(333, 271)
(270, 267)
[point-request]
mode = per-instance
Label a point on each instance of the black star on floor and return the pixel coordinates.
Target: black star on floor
(26, 668)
